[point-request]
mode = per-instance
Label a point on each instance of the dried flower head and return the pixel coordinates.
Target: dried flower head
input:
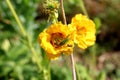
(51, 7)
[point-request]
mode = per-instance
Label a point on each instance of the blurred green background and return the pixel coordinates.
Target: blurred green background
(98, 62)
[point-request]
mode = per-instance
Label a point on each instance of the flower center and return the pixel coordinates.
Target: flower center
(81, 30)
(56, 39)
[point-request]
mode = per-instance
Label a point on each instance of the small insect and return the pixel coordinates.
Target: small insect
(69, 45)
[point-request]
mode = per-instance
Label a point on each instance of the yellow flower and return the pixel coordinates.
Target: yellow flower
(56, 40)
(85, 31)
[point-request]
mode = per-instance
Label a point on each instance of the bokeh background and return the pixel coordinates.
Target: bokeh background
(98, 62)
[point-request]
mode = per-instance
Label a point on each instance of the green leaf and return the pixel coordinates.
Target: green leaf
(102, 75)
(97, 22)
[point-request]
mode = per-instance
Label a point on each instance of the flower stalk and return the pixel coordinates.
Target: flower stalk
(16, 18)
(71, 56)
(63, 12)
(24, 34)
(73, 67)
(83, 8)
(93, 55)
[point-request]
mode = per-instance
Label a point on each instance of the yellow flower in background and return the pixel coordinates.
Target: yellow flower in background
(85, 31)
(56, 39)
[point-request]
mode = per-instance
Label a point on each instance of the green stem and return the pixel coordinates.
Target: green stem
(24, 33)
(77, 73)
(93, 55)
(16, 18)
(83, 8)
(49, 74)
(34, 53)
(46, 73)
